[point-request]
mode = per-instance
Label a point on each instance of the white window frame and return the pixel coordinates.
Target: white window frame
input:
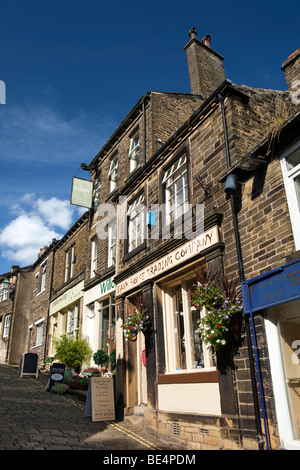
(70, 263)
(96, 191)
(94, 258)
(67, 328)
(6, 326)
(39, 332)
(113, 173)
(170, 332)
(43, 276)
(289, 176)
(134, 152)
(3, 293)
(175, 181)
(112, 243)
(136, 223)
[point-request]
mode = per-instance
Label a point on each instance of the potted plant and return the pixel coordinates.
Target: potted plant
(72, 352)
(100, 357)
(60, 388)
(221, 305)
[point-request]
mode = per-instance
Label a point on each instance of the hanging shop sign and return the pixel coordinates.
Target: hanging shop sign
(67, 298)
(82, 192)
(173, 259)
(272, 288)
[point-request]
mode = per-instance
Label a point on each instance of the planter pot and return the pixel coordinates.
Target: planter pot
(68, 376)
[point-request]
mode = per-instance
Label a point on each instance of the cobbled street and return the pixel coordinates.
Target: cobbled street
(33, 419)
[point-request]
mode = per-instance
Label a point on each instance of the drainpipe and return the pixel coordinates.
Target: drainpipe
(144, 132)
(259, 436)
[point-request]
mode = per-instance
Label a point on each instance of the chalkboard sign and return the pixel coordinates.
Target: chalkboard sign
(29, 364)
(100, 399)
(57, 372)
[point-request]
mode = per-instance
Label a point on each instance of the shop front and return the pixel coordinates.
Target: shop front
(64, 314)
(99, 323)
(182, 379)
(277, 294)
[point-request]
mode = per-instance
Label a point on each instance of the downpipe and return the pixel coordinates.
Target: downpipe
(259, 437)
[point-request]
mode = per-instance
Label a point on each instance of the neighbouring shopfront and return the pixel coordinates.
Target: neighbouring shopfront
(99, 322)
(276, 294)
(65, 315)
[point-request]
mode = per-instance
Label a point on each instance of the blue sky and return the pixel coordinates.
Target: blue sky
(73, 69)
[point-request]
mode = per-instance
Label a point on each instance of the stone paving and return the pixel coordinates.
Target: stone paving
(33, 419)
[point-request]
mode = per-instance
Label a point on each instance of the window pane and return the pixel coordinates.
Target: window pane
(293, 159)
(297, 188)
(179, 331)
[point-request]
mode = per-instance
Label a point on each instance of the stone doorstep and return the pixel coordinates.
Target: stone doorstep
(137, 421)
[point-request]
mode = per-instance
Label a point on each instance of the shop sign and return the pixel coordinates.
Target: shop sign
(67, 298)
(100, 290)
(275, 287)
(173, 259)
(82, 193)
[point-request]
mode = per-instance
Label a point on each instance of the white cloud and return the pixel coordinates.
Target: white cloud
(34, 226)
(56, 212)
(23, 237)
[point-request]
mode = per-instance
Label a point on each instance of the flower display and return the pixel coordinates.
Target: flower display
(214, 326)
(137, 321)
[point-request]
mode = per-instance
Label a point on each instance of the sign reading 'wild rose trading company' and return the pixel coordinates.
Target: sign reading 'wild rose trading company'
(174, 258)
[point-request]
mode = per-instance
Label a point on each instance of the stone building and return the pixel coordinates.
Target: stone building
(68, 274)
(40, 290)
(15, 298)
(217, 165)
(119, 164)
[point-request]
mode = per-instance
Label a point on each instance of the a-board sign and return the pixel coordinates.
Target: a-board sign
(57, 372)
(29, 363)
(100, 404)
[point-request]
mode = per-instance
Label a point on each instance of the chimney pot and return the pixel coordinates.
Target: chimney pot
(206, 40)
(193, 33)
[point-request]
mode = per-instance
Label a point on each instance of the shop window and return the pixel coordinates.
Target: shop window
(6, 326)
(136, 223)
(112, 243)
(175, 184)
(184, 348)
(290, 164)
(134, 152)
(70, 322)
(107, 322)
(283, 333)
(113, 174)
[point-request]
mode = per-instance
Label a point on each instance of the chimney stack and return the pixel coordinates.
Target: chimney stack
(206, 71)
(291, 69)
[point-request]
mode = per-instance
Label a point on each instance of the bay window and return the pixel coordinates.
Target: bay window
(185, 349)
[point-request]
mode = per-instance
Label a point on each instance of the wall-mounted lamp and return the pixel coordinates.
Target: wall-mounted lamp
(231, 184)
